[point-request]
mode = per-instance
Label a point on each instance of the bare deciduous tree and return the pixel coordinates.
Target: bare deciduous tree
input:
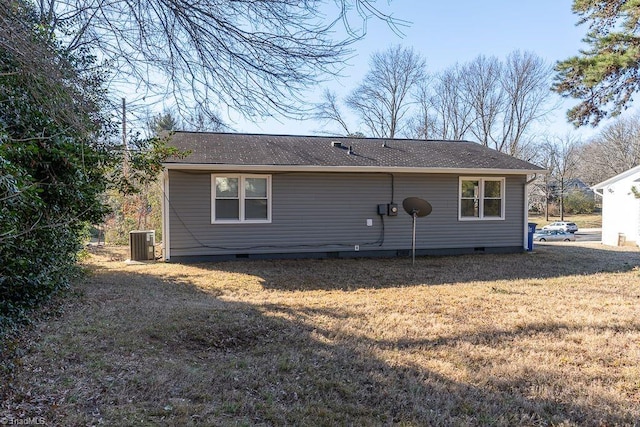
(453, 112)
(562, 157)
(423, 125)
(482, 87)
(542, 190)
(526, 79)
(382, 100)
(254, 56)
(507, 97)
(615, 149)
(329, 111)
(493, 102)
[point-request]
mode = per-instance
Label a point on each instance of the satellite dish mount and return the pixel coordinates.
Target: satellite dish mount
(417, 208)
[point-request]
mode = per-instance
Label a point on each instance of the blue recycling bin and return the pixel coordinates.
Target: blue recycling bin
(531, 228)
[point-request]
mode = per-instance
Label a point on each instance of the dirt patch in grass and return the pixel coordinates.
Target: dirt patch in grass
(546, 338)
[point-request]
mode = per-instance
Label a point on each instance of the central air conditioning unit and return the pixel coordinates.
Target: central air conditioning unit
(142, 245)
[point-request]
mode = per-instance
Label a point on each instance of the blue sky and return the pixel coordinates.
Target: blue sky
(446, 32)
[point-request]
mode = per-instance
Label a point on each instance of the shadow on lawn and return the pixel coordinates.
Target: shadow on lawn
(143, 349)
(546, 261)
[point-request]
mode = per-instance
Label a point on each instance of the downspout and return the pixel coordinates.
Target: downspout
(166, 251)
(525, 239)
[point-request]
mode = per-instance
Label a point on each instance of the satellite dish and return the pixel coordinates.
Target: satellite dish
(417, 208)
(416, 205)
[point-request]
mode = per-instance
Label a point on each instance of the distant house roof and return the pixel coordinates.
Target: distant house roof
(283, 152)
(572, 184)
(626, 174)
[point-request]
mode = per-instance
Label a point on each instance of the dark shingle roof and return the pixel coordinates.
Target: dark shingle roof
(281, 150)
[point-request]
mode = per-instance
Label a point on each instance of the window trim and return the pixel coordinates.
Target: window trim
(482, 198)
(241, 199)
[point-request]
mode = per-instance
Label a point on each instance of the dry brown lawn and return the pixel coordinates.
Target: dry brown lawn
(581, 220)
(549, 338)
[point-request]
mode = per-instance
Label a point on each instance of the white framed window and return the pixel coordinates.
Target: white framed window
(481, 199)
(240, 198)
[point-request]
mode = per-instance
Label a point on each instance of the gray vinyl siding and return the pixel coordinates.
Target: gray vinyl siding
(325, 212)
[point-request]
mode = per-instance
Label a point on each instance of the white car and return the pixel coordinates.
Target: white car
(553, 236)
(569, 227)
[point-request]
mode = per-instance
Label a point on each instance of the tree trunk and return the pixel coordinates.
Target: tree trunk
(546, 208)
(562, 200)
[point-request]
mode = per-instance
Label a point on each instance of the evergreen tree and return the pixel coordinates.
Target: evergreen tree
(606, 74)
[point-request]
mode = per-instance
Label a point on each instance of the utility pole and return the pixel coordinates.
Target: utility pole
(125, 161)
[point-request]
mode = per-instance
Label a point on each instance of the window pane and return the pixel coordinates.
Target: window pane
(226, 187)
(470, 189)
(227, 209)
(255, 209)
(492, 189)
(469, 208)
(493, 207)
(255, 187)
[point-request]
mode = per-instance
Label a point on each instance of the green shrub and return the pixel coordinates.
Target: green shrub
(57, 160)
(579, 203)
(52, 165)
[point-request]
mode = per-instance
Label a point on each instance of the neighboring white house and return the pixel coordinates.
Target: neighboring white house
(620, 207)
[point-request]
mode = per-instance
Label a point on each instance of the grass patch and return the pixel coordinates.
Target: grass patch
(526, 339)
